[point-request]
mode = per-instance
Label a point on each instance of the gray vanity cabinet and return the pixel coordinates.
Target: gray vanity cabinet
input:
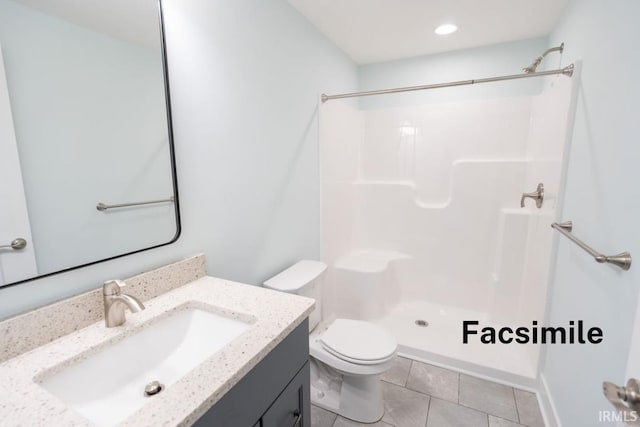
(289, 407)
(273, 394)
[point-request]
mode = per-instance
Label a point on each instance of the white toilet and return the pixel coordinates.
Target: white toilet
(347, 356)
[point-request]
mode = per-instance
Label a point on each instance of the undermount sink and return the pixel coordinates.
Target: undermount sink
(108, 386)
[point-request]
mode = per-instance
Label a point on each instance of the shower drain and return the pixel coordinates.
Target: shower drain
(422, 323)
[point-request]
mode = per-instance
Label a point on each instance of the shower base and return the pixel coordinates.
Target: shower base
(440, 343)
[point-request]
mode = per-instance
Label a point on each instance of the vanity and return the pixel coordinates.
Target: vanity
(204, 351)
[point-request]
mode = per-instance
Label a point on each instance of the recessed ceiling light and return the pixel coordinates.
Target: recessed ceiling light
(445, 29)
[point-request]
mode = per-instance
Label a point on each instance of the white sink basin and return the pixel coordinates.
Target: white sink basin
(109, 386)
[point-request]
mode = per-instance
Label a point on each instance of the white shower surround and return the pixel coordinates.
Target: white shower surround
(421, 219)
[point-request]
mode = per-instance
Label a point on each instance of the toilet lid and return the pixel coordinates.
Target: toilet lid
(358, 341)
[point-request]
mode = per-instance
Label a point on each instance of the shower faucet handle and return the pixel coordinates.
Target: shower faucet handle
(537, 195)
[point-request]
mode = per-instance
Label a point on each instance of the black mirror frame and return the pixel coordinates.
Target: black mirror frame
(174, 177)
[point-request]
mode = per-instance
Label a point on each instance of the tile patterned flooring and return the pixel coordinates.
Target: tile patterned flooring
(420, 395)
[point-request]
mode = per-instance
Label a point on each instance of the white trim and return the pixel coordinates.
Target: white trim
(14, 215)
(547, 407)
(564, 172)
(489, 374)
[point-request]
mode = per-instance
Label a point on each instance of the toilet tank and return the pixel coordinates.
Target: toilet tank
(303, 278)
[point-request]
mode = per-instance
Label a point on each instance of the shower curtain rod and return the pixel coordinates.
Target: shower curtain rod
(567, 71)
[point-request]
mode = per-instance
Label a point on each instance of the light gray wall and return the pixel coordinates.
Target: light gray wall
(602, 200)
(90, 121)
(488, 61)
(245, 78)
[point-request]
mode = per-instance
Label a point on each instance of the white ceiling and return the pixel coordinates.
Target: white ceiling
(132, 21)
(382, 30)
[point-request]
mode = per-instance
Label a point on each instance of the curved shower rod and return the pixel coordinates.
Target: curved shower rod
(528, 72)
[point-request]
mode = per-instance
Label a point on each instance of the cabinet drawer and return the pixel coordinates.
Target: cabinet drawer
(291, 408)
(254, 394)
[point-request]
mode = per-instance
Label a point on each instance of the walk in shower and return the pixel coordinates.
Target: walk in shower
(422, 224)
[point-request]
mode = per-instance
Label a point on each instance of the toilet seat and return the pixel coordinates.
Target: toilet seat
(359, 342)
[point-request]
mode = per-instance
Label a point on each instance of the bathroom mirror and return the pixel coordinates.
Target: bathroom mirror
(87, 170)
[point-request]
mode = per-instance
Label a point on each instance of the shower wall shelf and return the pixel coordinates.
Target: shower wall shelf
(622, 260)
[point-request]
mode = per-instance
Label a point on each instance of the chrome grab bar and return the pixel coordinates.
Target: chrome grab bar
(17, 244)
(103, 207)
(622, 260)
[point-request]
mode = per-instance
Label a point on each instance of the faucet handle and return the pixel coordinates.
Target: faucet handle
(537, 195)
(113, 287)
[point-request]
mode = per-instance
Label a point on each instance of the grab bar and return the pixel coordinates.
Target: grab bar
(622, 260)
(103, 207)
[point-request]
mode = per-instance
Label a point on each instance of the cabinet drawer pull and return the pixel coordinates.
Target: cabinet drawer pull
(297, 419)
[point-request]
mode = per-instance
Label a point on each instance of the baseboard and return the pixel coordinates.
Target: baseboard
(472, 369)
(545, 400)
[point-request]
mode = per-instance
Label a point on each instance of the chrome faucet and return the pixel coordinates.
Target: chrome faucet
(115, 303)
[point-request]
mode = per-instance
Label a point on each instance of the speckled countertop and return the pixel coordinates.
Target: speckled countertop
(24, 402)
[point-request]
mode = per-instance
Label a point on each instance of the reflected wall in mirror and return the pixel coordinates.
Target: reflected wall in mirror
(84, 120)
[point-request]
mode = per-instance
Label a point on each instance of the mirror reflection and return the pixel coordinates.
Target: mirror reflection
(83, 122)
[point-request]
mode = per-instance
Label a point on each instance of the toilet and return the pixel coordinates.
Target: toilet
(348, 356)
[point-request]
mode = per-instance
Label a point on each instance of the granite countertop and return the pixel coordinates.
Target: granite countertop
(24, 402)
